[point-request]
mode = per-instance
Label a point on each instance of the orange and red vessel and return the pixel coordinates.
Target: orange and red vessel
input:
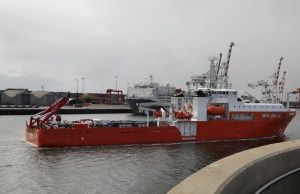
(217, 114)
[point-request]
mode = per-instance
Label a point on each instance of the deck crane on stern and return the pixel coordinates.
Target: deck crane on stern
(40, 118)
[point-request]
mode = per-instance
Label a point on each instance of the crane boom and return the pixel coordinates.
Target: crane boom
(276, 74)
(219, 64)
(228, 59)
(43, 116)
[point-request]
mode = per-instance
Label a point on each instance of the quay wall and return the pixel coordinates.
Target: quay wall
(103, 109)
(248, 171)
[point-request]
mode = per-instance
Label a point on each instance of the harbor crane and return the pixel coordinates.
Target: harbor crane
(269, 94)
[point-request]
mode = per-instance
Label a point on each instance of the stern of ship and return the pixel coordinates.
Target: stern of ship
(32, 136)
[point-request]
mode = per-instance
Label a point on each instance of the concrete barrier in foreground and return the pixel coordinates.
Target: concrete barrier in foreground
(248, 171)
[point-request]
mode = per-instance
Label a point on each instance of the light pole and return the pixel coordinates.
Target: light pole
(101, 88)
(127, 88)
(116, 82)
(77, 80)
(83, 85)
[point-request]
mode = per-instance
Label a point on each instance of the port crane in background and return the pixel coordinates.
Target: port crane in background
(281, 84)
(297, 93)
(270, 91)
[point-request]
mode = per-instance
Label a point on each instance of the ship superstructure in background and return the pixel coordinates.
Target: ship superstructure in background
(149, 94)
(271, 92)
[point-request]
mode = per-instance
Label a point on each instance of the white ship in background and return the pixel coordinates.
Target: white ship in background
(150, 95)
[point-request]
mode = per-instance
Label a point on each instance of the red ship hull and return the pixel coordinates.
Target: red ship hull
(218, 129)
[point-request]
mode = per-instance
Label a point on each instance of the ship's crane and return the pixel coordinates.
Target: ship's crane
(217, 74)
(43, 116)
(275, 82)
(223, 76)
(219, 64)
(228, 59)
(276, 74)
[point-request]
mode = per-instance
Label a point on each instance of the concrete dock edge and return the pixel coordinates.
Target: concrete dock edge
(246, 172)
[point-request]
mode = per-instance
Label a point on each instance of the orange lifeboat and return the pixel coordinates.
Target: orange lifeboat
(214, 110)
(183, 115)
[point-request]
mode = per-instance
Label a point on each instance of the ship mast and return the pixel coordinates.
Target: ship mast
(151, 78)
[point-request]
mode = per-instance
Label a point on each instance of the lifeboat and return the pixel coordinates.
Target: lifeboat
(214, 110)
(183, 115)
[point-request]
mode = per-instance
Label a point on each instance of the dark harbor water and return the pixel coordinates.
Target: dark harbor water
(152, 168)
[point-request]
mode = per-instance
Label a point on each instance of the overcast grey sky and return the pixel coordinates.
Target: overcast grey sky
(51, 43)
